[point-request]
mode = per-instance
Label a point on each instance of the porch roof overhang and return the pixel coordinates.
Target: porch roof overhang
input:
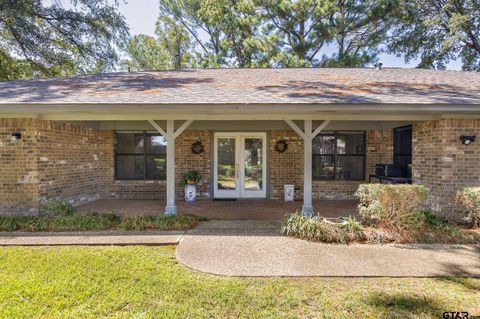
(236, 111)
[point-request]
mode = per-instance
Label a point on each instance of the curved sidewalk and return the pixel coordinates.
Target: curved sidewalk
(254, 248)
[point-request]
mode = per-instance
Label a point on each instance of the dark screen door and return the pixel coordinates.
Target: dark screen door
(402, 148)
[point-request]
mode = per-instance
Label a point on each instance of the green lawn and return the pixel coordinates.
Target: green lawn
(147, 282)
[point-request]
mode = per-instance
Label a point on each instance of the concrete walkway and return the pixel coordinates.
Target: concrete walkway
(120, 238)
(255, 248)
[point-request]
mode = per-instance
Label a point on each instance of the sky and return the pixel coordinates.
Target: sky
(141, 16)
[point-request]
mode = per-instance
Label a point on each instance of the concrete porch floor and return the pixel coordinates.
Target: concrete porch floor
(242, 209)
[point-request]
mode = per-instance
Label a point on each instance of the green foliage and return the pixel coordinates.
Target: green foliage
(320, 229)
(390, 204)
(438, 32)
(50, 38)
(59, 223)
(151, 222)
(469, 198)
(95, 222)
(58, 207)
(170, 49)
(191, 177)
(264, 33)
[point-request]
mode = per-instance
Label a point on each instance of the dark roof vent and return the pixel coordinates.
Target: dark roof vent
(378, 66)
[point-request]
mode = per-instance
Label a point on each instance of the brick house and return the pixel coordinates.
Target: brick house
(247, 131)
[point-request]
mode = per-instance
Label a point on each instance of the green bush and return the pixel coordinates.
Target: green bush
(158, 222)
(469, 198)
(391, 204)
(320, 229)
(58, 207)
(95, 221)
(59, 223)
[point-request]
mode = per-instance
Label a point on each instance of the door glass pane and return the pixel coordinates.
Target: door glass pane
(253, 163)
(226, 163)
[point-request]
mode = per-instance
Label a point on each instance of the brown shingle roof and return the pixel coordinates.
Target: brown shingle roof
(243, 86)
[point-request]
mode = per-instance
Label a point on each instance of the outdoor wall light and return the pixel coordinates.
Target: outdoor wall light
(15, 137)
(467, 139)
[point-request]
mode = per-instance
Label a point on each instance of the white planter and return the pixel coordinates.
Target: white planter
(190, 193)
(289, 192)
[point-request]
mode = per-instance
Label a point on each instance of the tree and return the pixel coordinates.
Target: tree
(225, 32)
(240, 38)
(205, 34)
(170, 49)
(50, 40)
(301, 27)
(437, 32)
(361, 27)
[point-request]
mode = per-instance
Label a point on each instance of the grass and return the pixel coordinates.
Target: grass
(147, 282)
(95, 222)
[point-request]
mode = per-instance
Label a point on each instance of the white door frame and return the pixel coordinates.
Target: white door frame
(240, 191)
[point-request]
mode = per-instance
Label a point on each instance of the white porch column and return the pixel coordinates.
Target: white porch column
(307, 208)
(170, 134)
(170, 208)
(307, 135)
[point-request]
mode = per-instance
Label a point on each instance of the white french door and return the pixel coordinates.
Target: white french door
(240, 165)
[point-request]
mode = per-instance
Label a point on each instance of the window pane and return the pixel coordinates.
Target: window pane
(323, 166)
(350, 167)
(156, 144)
(130, 166)
(226, 163)
(156, 167)
(253, 163)
(350, 143)
(129, 142)
(323, 144)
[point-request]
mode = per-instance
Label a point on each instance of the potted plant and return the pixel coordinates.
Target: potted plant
(189, 182)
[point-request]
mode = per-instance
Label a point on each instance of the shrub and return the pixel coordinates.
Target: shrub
(158, 222)
(320, 229)
(58, 207)
(59, 223)
(469, 197)
(391, 204)
(95, 221)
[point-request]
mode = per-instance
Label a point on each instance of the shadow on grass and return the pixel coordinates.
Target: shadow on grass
(399, 305)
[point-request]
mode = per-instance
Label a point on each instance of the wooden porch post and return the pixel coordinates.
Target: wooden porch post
(170, 134)
(307, 135)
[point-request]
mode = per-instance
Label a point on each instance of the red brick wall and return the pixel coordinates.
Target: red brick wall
(18, 167)
(286, 167)
(185, 160)
(443, 163)
(379, 149)
(52, 161)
